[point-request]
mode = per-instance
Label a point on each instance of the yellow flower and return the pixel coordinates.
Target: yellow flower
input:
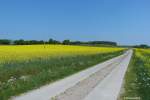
(28, 52)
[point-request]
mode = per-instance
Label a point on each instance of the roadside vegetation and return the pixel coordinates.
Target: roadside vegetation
(137, 79)
(23, 68)
(52, 41)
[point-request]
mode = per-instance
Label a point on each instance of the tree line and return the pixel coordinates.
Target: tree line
(142, 46)
(52, 41)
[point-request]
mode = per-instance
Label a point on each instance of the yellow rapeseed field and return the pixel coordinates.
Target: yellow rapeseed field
(26, 67)
(140, 52)
(26, 52)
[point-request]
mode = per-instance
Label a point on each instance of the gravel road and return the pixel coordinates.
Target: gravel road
(100, 82)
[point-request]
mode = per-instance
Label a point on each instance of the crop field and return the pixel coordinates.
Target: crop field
(28, 52)
(27, 67)
(137, 79)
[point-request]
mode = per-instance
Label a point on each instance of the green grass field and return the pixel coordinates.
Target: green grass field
(137, 79)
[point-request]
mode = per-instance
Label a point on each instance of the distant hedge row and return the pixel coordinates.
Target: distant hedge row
(52, 41)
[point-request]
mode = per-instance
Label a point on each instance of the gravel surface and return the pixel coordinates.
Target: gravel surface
(109, 88)
(84, 87)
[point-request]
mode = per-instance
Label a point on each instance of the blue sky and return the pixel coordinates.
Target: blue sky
(123, 21)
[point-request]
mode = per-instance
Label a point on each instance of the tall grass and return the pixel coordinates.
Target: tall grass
(137, 79)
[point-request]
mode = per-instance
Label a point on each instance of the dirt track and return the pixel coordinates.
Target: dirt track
(100, 82)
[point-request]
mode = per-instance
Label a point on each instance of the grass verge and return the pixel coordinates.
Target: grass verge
(137, 79)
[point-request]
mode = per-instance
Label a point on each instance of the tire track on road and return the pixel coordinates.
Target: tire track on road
(84, 87)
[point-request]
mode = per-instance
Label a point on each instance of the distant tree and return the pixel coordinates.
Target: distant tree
(66, 42)
(36, 42)
(41, 42)
(51, 41)
(141, 46)
(5, 41)
(144, 46)
(76, 42)
(27, 42)
(19, 42)
(102, 42)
